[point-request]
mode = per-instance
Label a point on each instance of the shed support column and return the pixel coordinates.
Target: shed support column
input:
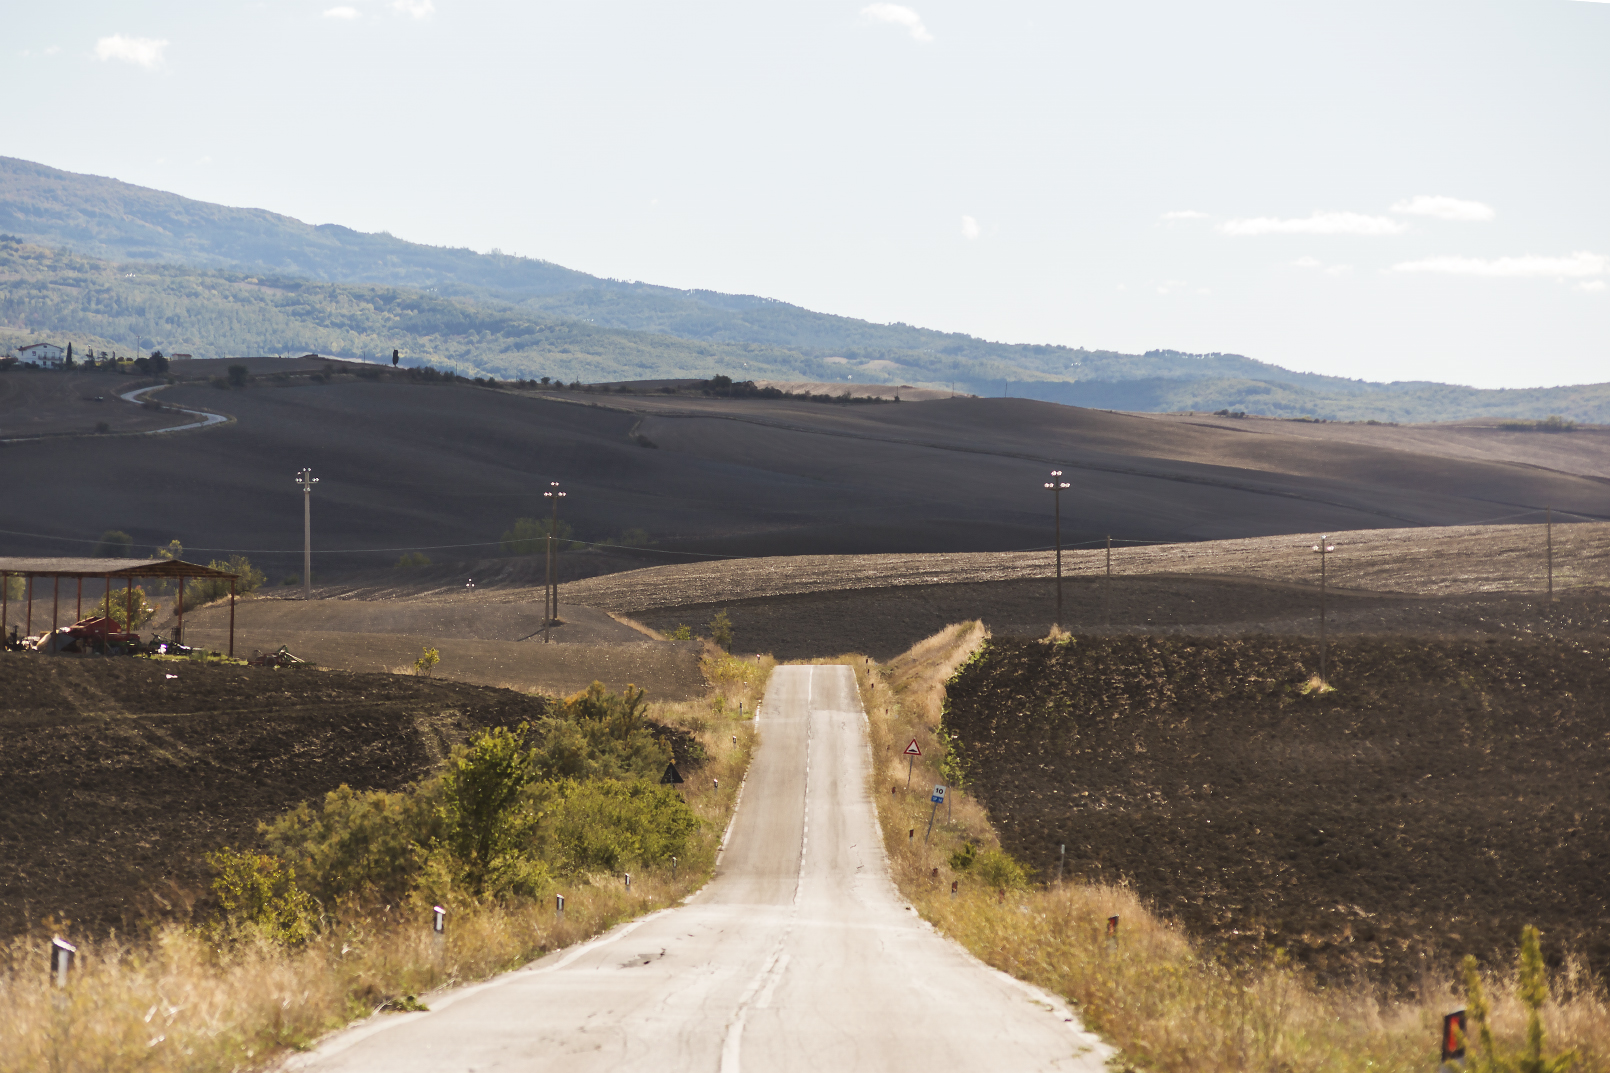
(55, 603)
(231, 618)
(106, 597)
(80, 617)
(128, 605)
(178, 630)
(28, 626)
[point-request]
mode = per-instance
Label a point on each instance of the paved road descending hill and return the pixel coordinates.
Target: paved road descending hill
(799, 955)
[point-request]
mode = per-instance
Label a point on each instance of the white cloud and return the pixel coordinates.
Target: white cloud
(1446, 208)
(52, 50)
(144, 51)
(1314, 262)
(1593, 284)
(417, 8)
(1190, 214)
(1318, 223)
(1577, 265)
(970, 228)
(895, 15)
(341, 13)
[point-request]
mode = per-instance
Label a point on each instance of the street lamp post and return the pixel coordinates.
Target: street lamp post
(1056, 484)
(550, 602)
(1324, 548)
(307, 481)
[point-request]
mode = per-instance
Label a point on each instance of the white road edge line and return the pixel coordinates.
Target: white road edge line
(343, 1038)
(1038, 995)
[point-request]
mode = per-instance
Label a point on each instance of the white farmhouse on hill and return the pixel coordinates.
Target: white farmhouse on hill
(46, 355)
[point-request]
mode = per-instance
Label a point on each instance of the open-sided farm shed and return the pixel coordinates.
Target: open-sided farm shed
(109, 571)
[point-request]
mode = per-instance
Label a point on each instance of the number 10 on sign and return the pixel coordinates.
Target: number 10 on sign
(938, 798)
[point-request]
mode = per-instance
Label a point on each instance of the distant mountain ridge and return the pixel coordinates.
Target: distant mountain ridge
(113, 220)
(501, 314)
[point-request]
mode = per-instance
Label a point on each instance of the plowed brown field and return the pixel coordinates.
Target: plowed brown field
(1445, 794)
(119, 774)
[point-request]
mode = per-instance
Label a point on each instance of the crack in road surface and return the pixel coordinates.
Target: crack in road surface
(785, 961)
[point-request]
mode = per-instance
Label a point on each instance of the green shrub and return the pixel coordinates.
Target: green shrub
(413, 560)
(1533, 990)
(258, 895)
(204, 590)
(529, 536)
(721, 630)
(681, 633)
(116, 605)
(356, 843)
(601, 735)
(997, 868)
(428, 658)
(612, 825)
(963, 858)
(488, 813)
(114, 544)
(239, 375)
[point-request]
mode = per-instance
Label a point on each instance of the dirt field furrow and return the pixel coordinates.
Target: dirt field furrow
(1443, 561)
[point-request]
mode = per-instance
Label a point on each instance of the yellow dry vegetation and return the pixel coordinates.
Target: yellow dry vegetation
(173, 1000)
(1162, 1001)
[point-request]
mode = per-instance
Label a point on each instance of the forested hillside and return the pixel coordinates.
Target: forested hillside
(218, 313)
(66, 297)
(212, 280)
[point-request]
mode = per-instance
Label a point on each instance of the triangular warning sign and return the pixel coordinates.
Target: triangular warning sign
(913, 749)
(671, 777)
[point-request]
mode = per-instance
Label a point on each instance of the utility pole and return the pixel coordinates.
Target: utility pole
(1550, 528)
(1057, 484)
(1106, 586)
(550, 601)
(1324, 547)
(307, 481)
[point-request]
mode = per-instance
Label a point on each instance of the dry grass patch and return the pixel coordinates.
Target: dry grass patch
(1149, 989)
(174, 1001)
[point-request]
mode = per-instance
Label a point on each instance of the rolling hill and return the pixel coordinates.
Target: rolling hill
(331, 289)
(446, 468)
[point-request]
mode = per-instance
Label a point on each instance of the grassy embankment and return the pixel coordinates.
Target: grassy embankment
(175, 1000)
(1153, 993)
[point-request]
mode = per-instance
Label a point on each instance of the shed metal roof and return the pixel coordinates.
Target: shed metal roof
(118, 568)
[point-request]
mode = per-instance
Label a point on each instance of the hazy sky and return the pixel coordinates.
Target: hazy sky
(1387, 190)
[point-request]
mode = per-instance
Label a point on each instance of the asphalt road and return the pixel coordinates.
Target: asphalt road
(798, 955)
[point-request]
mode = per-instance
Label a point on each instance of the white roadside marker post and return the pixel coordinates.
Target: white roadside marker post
(438, 926)
(628, 876)
(673, 869)
(559, 906)
(62, 953)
